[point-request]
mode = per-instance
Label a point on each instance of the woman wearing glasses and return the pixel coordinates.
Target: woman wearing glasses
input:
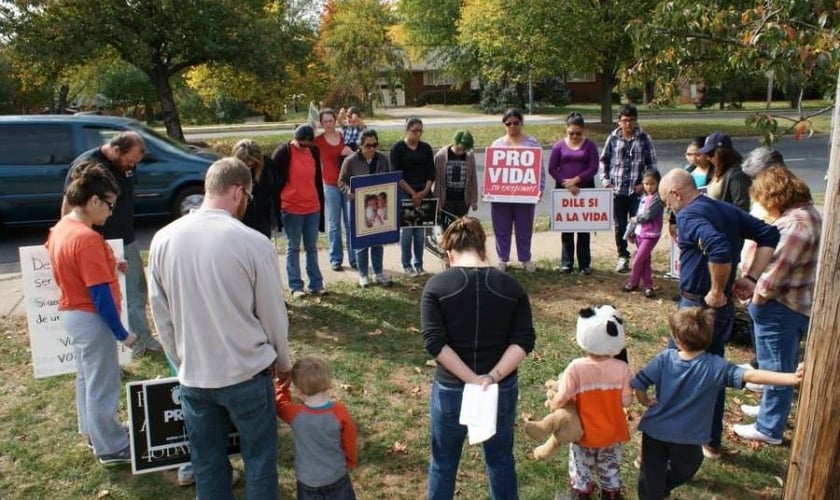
(510, 217)
(261, 205)
(416, 160)
(301, 201)
(456, 186)
(367, 160)
(86, 272)
(573, 164)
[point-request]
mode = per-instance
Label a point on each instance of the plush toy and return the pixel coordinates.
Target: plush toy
(600, 331)
(561, 426)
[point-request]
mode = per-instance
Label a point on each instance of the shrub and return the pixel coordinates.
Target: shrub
(496, 99)
(447, 96)
(553, 91)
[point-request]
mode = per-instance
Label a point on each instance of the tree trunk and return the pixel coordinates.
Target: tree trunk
(160, 79)
(61, 105)
(607, 83)
(650, 90)
(815, 454)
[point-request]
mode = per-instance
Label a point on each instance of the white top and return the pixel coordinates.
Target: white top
(216, 299)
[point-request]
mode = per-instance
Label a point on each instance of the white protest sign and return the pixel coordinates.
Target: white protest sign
(51, 346)
(589, 211)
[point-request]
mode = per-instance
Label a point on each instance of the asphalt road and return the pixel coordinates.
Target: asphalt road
(807, 158)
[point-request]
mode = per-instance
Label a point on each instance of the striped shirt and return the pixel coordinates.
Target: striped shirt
(623, 160)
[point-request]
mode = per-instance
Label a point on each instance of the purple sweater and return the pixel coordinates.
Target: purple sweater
(566, 163)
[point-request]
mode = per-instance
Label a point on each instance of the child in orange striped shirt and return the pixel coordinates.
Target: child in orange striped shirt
(599, 386)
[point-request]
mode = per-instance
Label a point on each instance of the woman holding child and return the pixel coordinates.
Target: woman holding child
(484, 348)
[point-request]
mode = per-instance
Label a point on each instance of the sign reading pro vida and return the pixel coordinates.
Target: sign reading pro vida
(512, 174)
(589, 211)
(51, 346)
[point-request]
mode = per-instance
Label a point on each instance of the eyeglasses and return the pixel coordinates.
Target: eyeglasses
(513, 123)
(627, 120)
(416, 130)
(249, 194)
(372, 145)
(691, 154)
(111, 204)
(575, 134)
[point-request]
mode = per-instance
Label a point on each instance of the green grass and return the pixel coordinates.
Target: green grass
(372, 341)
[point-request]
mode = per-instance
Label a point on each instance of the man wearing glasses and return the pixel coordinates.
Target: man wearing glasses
(217, 301)
(627, 153)
(120, 156)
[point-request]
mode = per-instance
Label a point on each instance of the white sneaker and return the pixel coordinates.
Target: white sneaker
(754, 387)
(529, 266)
(623, 265)
(750, 410)
(381, 279)
(751, 433)
(502, 266)
(364, 282)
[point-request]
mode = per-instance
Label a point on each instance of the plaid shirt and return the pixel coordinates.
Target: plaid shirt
(790, 276)
(623, 161)
(351, 135)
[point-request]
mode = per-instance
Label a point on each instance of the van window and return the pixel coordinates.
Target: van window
(97, 136)
(36, 144)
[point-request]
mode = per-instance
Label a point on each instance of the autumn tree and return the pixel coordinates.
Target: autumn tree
(429, 30)
(161, 39)
(797, 42)
(357, 46)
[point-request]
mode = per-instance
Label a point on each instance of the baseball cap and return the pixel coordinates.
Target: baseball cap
(714, 141)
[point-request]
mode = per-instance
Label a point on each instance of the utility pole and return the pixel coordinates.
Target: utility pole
(814, 468)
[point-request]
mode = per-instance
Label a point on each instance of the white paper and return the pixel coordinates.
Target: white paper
(478, 411)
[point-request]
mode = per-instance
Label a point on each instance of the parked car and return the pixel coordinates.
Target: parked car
(36, 152)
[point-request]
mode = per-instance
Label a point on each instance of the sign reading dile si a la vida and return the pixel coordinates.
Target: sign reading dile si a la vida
(589, 210)
(512, 174)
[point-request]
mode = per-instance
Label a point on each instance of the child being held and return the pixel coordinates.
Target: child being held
(679, 417)
(599, 386)
(323, 432)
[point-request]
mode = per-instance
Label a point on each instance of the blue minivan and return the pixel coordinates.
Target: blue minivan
(36, 151)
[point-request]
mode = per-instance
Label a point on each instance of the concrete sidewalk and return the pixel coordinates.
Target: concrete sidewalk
(544, 246)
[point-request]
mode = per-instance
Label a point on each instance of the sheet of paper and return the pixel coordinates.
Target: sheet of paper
(478, 411)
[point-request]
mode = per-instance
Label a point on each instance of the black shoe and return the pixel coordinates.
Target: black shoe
(586, 271)
(113, 459)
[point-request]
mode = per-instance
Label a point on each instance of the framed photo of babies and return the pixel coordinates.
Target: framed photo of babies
(375, 215)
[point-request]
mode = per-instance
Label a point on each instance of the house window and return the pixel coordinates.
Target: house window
(435, 78)
(578, 76)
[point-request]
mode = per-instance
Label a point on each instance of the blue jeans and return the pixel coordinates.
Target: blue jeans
(448, 441)
(135, 291)
(724, 318)
(306, 227)
(339, 490)
(376, 254)
(210, 414)
(338, 211)
(412, 238)
(778, 331)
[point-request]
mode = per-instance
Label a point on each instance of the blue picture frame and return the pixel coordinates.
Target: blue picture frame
(386, 230)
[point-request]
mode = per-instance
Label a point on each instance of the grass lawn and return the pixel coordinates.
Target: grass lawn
(381, 372)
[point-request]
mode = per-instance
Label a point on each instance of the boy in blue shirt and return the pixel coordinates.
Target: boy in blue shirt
(678, 420)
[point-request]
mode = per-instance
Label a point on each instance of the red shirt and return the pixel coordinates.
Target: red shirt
(330, 156)
(299, 195)
(81, 258)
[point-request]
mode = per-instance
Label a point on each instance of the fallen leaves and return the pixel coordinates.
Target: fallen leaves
(399, 448)
(376, 332)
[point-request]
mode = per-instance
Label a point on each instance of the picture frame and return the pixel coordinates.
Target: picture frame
(374, 217)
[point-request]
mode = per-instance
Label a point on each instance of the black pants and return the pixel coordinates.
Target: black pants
(624, 207)
(666, 466)
(584, 255)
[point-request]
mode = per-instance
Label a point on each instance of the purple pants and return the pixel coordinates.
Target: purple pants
(641, 266)
(508, 217)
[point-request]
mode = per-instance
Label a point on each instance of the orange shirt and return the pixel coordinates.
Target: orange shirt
(81, 258)
(330, 155)
(299, 195)
(600, 389)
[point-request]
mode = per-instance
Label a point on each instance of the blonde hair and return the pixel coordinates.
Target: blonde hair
(779, 188)
(249, 152)
(692, 327)
(311, 375)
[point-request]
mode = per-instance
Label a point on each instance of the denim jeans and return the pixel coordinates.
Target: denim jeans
(135, 294)
(210, 414)
(724, 318)
(376, 254)
(778, 331)
(306, 227)
(412, 238)
(338, 212)
(624, 207)
(339, 490)
(448, 440)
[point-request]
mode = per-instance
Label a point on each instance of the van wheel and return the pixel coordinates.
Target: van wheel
(187, 199)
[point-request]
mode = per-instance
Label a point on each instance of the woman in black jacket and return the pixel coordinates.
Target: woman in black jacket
(261, 207)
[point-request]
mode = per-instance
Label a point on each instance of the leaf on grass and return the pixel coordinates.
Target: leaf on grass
(346, 387)
(413, 329)
(431, 363)
(399, 447)
(417, 369)
(416, 391)
(103, 493)
(326, 336)
(538, 355)
(376, 332)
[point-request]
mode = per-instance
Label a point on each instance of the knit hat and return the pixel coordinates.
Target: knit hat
(600, 330)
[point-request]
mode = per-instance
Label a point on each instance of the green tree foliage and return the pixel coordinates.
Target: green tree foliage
(160, 38)
(357, 46)
(430, 30)
(796, 41)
